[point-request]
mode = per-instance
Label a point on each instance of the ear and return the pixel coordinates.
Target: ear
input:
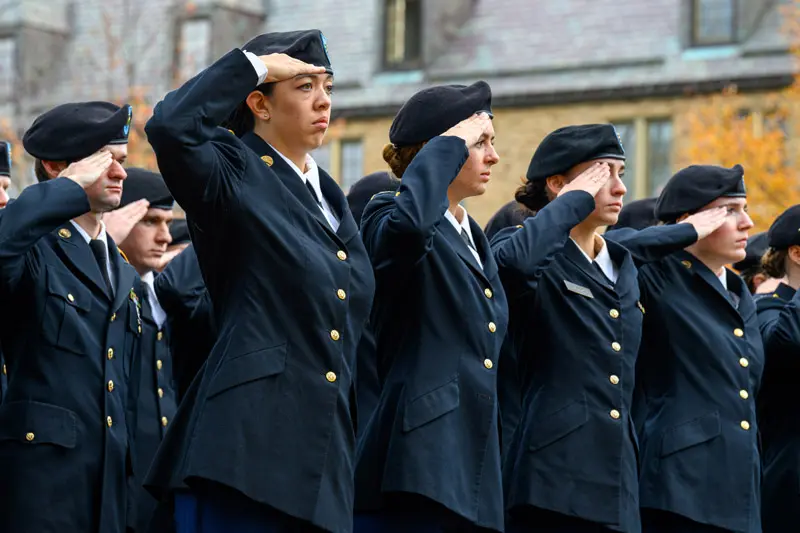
(259, 104)
(794, 254)
(555, 184)
(758, 279)
(54, 168)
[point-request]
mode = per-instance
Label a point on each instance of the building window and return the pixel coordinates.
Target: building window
(713, 22)
(352, 163)
(627, 134)
(659, 155)
(322, 157)
(8, 67)
(648, 155)
(193, 47)
(403, 23)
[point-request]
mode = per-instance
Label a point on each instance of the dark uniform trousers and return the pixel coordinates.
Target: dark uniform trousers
(70, 349)
(156, 408)
(699, 441)
(779, 409)
(439, 320)
(273, 413)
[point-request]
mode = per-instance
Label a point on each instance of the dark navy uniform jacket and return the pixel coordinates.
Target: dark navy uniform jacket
(273, 413)
(156, 408)
(71, 350)
(3, 376)
(439, 320)
(700, 369)
(778, 415)
(183, 295)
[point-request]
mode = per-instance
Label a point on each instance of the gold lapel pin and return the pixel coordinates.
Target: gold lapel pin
(267, 159)
(64, 233)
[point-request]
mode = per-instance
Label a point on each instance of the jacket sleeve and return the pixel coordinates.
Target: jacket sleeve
(655, 243)
(39, 210)
(522, 253)
(201, 162)
(780, 329)
(400, 229)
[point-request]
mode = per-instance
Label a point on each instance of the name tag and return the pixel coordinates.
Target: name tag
(577, 289)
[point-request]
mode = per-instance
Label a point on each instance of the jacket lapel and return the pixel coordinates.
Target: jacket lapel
(574, 254)
(697, 268)
(338, 203)
(123, 274)
(454, 238)
(76, 252)
(489, 270)
(622, 258)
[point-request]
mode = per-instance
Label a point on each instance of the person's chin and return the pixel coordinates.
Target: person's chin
(737, 254)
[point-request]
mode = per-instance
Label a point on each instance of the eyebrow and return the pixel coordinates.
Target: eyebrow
(300, 76)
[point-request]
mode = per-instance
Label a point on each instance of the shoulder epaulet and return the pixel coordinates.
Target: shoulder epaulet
(122, 254)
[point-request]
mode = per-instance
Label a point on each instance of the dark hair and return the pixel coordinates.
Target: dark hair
(399, 157)
(774, 262)
(241, 120)
(40, 172)
(749, 274)
(534, 195)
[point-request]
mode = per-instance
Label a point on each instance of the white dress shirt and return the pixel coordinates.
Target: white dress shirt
(102, 237)
(159, 315)
(603, 259)
(464, 224)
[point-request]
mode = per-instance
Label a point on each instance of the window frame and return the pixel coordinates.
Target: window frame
(695, 39)
(405, 63)
(177, 67)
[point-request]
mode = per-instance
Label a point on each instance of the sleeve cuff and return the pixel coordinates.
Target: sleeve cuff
(258, 65)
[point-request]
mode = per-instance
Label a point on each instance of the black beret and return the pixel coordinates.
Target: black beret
(70, 132)
(362, 191)
(5, 159)
(637, 215)
(511, 214)
(696, 186)
(572, 145)
(785, 231)
(756, 248)
(309, 46)
(142, 184)
(179, 230)
(433, 111)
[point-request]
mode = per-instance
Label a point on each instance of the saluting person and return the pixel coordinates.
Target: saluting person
(5, 182)
(70, 330)
(265, 438)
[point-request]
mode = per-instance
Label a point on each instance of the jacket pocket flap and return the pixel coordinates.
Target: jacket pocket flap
(69, 289)
(248, 367)
(431, 405)
(558, 424)
(38, 423)
(691, 433)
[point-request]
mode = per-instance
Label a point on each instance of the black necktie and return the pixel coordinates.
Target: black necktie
(99, 251)
(596, 266)
(313, 192)
(465, 238)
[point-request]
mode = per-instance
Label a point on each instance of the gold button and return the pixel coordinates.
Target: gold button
(164, 421)
(687, 264)
(744, 362)
(113, 317)
(70, 297)
(614, 313)
(616, 346)
(745, 425)
(159, 364)
(613, 379)
(614, 414)
(140, 329)
(334, 335)
(738, 332)
(110, 353)
(744, 394)
(160, 392)
(109, 421)
(488, 293)
(330, 376)
(64, 233)
(159, 336)
(488, 363)
(520, 226)
(341, 255)
(29, 437)
(110, 386)
(341, 294)
(492, 327)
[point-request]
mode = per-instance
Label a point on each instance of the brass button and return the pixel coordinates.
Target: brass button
(488, 363)
(341, 255)
(140, 329)
(64, 233)
(614, 313)
(70, 297)
(341, 294)
(159, 336)
(520, 226)
(159, 364)
(744, 394)
(745, 425)
(616, 346)
(113, 317)
(335, 335)
(109, 421)
(738, 332)
(614, 414)
(160, 392)
(744, 362)
(110, 353)
(492, 327)
(164, 421)
(330, 376)
(613, 379)
(488, 293)
(29, 437)
(110, 386)
(687, 264)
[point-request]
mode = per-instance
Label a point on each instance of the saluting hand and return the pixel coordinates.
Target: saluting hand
(167, 257)
(120, 222)
(707, 222)
(281, 67)
(88, 170)
(471, 129)
(590, 180)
